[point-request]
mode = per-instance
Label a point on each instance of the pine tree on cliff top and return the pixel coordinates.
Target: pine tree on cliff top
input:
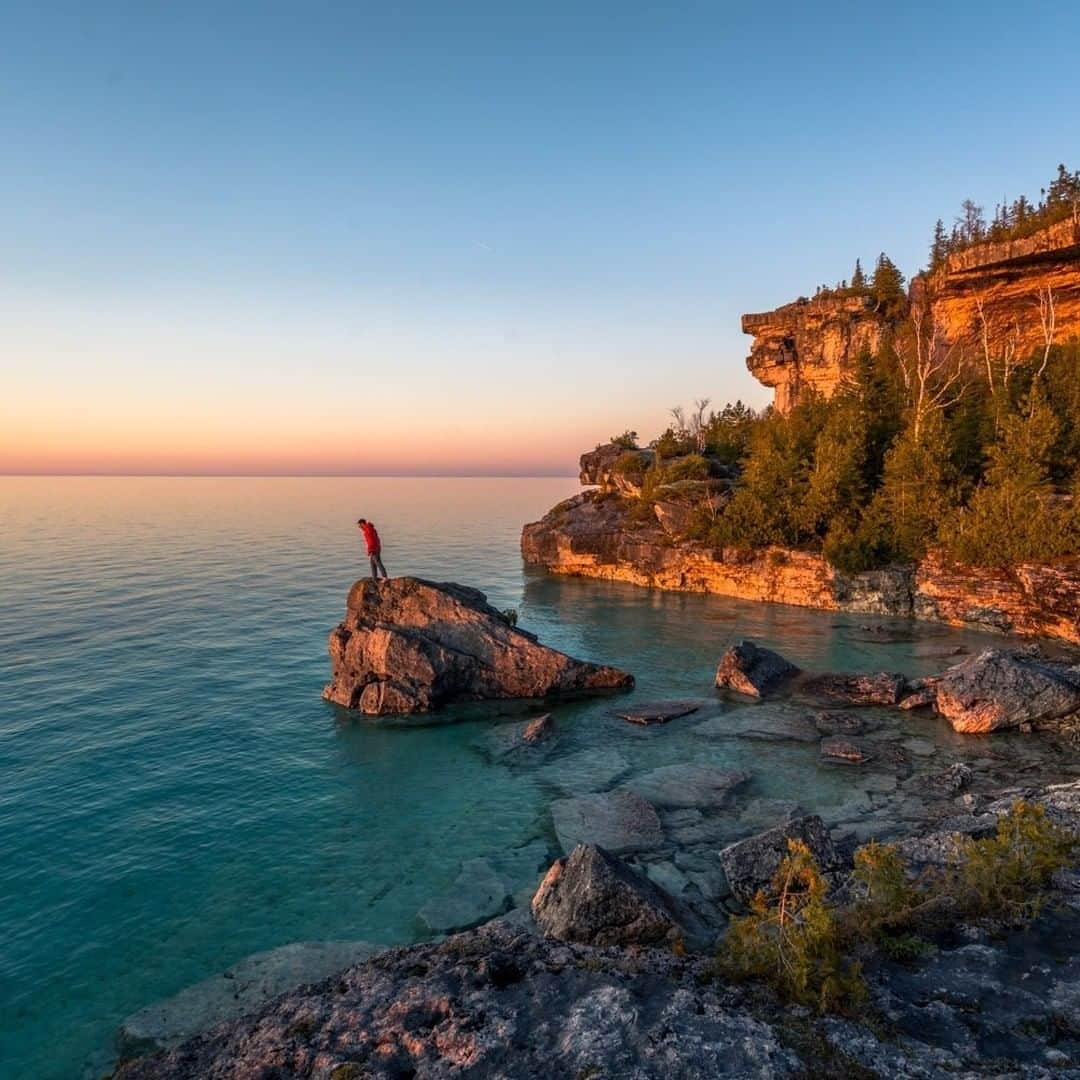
(887, 287)
(939, 249)
(858, 278)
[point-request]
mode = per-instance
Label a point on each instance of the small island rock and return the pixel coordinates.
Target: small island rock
(408, 645)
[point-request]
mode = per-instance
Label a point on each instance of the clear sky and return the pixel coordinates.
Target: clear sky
(461, 237)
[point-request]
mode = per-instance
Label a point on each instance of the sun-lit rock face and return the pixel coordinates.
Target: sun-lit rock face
(992, 297)
(811, 344)
(408, 645)
(1005, 285)
(597, 536)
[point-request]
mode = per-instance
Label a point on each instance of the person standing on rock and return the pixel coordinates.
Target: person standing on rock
(374, 548)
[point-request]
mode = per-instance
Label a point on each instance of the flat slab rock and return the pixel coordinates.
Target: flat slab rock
(479, 893)
(844, 751)
(762, 723)
(879, 688)
(657, 712)
(690, 785)
(585, 771)
(620, 821)
(407, 645)
(243, 988)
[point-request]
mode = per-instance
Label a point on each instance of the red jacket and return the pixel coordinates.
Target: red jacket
(371, 538)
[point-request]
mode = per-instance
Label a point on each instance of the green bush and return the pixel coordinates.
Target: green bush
(1005, 876)
(628, 440)
(790, 939)
(629, 464)
(804, 947)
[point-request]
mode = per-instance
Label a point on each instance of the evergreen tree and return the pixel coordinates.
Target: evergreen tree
(939, 248)
(858, 278)
(887, 288)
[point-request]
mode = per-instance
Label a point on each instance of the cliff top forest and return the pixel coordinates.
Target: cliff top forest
(920, 447)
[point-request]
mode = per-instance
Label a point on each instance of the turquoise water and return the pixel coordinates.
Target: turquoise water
(174, 793)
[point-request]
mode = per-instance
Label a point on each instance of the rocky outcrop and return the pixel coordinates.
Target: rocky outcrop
(811, 344)
(750, 669)
(597, 535)
(984, 297)
(408, 645)
(998, 689)
(593, 898)
(615, 468)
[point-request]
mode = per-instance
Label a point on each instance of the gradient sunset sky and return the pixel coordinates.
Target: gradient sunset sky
(465, 238)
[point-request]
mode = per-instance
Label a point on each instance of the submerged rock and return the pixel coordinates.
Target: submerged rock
(619, 821)
(839, 723)
(689, 785)
(997, 689)
(880, 688)
(594, 898)
(846, 751)
(657, 712)
(527, 740)
(750, 669)
(763, 723)
(478, 894)
(585, 771)
(408, 645)
(751, 863)
(241, 989)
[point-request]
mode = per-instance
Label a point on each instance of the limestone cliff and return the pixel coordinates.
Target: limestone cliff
(1006, 286)
(598, 534)
(1003, 298)
(811, 344)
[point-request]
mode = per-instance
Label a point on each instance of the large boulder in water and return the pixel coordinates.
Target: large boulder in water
(750, 669)
(408, 646)
(998, 689)
(594, 898)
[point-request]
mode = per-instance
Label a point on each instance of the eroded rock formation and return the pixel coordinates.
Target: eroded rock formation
(991, 298)
(811, 344)
(407, 645)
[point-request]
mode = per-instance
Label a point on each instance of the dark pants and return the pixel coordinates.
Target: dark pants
(377, 566)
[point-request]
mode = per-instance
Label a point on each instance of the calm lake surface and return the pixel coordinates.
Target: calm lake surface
(174, 795)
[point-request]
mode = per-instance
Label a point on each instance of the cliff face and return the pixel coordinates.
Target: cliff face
(595, 535)
(1004, 289)
(810, 344)
(1007, 285)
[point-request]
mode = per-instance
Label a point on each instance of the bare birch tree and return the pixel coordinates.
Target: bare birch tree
(1048, 320)
(932, 369)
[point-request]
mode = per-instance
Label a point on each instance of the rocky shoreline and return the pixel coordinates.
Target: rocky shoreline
(609, 532)
(600, 961)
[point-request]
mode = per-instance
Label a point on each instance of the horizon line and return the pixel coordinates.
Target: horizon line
(289, 475)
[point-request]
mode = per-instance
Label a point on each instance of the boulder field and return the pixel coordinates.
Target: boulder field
(407, 645)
